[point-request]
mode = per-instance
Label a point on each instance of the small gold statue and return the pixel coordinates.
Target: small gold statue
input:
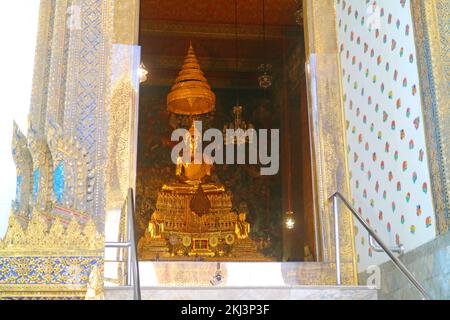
(242, 227)
(155, 229)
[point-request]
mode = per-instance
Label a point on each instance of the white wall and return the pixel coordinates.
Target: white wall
(385, 134)
(18, 29)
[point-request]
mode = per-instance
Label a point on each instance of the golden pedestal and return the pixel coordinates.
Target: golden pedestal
(176, 232)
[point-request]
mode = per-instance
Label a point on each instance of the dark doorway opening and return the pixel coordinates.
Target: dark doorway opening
(167, 27)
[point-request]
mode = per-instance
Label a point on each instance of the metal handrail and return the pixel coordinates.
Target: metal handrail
(337, 195)
(400, 249)
(133, 265)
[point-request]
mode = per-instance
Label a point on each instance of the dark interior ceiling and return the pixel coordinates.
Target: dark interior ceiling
(167, 26)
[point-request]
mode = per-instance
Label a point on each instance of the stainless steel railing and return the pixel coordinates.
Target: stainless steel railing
(373, 235)
(132, 280)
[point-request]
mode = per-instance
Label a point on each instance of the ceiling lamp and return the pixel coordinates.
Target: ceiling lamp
(289, 220)
(265, 79)
(142, 73)
(265, 69)
(238, 123)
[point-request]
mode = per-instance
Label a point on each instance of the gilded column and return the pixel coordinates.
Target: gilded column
(123, 110)
(87, 94)
(126, 22)
(58, 61)
(38, 109)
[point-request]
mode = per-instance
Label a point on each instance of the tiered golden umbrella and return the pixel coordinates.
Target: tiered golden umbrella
(191, 94)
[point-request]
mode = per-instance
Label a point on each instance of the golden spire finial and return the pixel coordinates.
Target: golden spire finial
(191, 93)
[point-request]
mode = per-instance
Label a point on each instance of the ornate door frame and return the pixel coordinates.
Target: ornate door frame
(430, 20)
(327, 126)
(327, 115)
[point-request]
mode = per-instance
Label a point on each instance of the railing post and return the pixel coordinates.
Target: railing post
(129, 267)
(134, 264)
(336, 238)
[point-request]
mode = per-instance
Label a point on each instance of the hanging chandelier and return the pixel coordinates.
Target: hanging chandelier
(265, 78)
(239, 125)
(142, 73)
(289, 220)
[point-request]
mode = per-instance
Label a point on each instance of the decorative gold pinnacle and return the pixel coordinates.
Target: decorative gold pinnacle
(191, 93)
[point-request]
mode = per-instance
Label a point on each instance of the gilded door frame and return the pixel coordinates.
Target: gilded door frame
(327, 125)
(328, 138)
(430, 20)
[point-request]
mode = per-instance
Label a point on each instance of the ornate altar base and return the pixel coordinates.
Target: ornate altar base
(177, 233)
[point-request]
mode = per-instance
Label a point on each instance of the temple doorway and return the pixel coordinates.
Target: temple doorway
(246, 60)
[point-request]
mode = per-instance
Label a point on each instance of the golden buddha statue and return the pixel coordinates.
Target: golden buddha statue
(193, 173)
(242, 227)
(194, 218)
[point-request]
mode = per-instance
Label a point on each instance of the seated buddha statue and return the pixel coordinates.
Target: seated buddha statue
(242, 226)
(193, 173)
(155, 229)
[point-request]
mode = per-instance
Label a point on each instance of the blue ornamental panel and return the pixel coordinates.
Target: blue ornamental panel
(18, 189)
(58, 181)
(35, 183)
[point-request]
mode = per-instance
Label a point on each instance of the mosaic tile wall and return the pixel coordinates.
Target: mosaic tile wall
(390, 179)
